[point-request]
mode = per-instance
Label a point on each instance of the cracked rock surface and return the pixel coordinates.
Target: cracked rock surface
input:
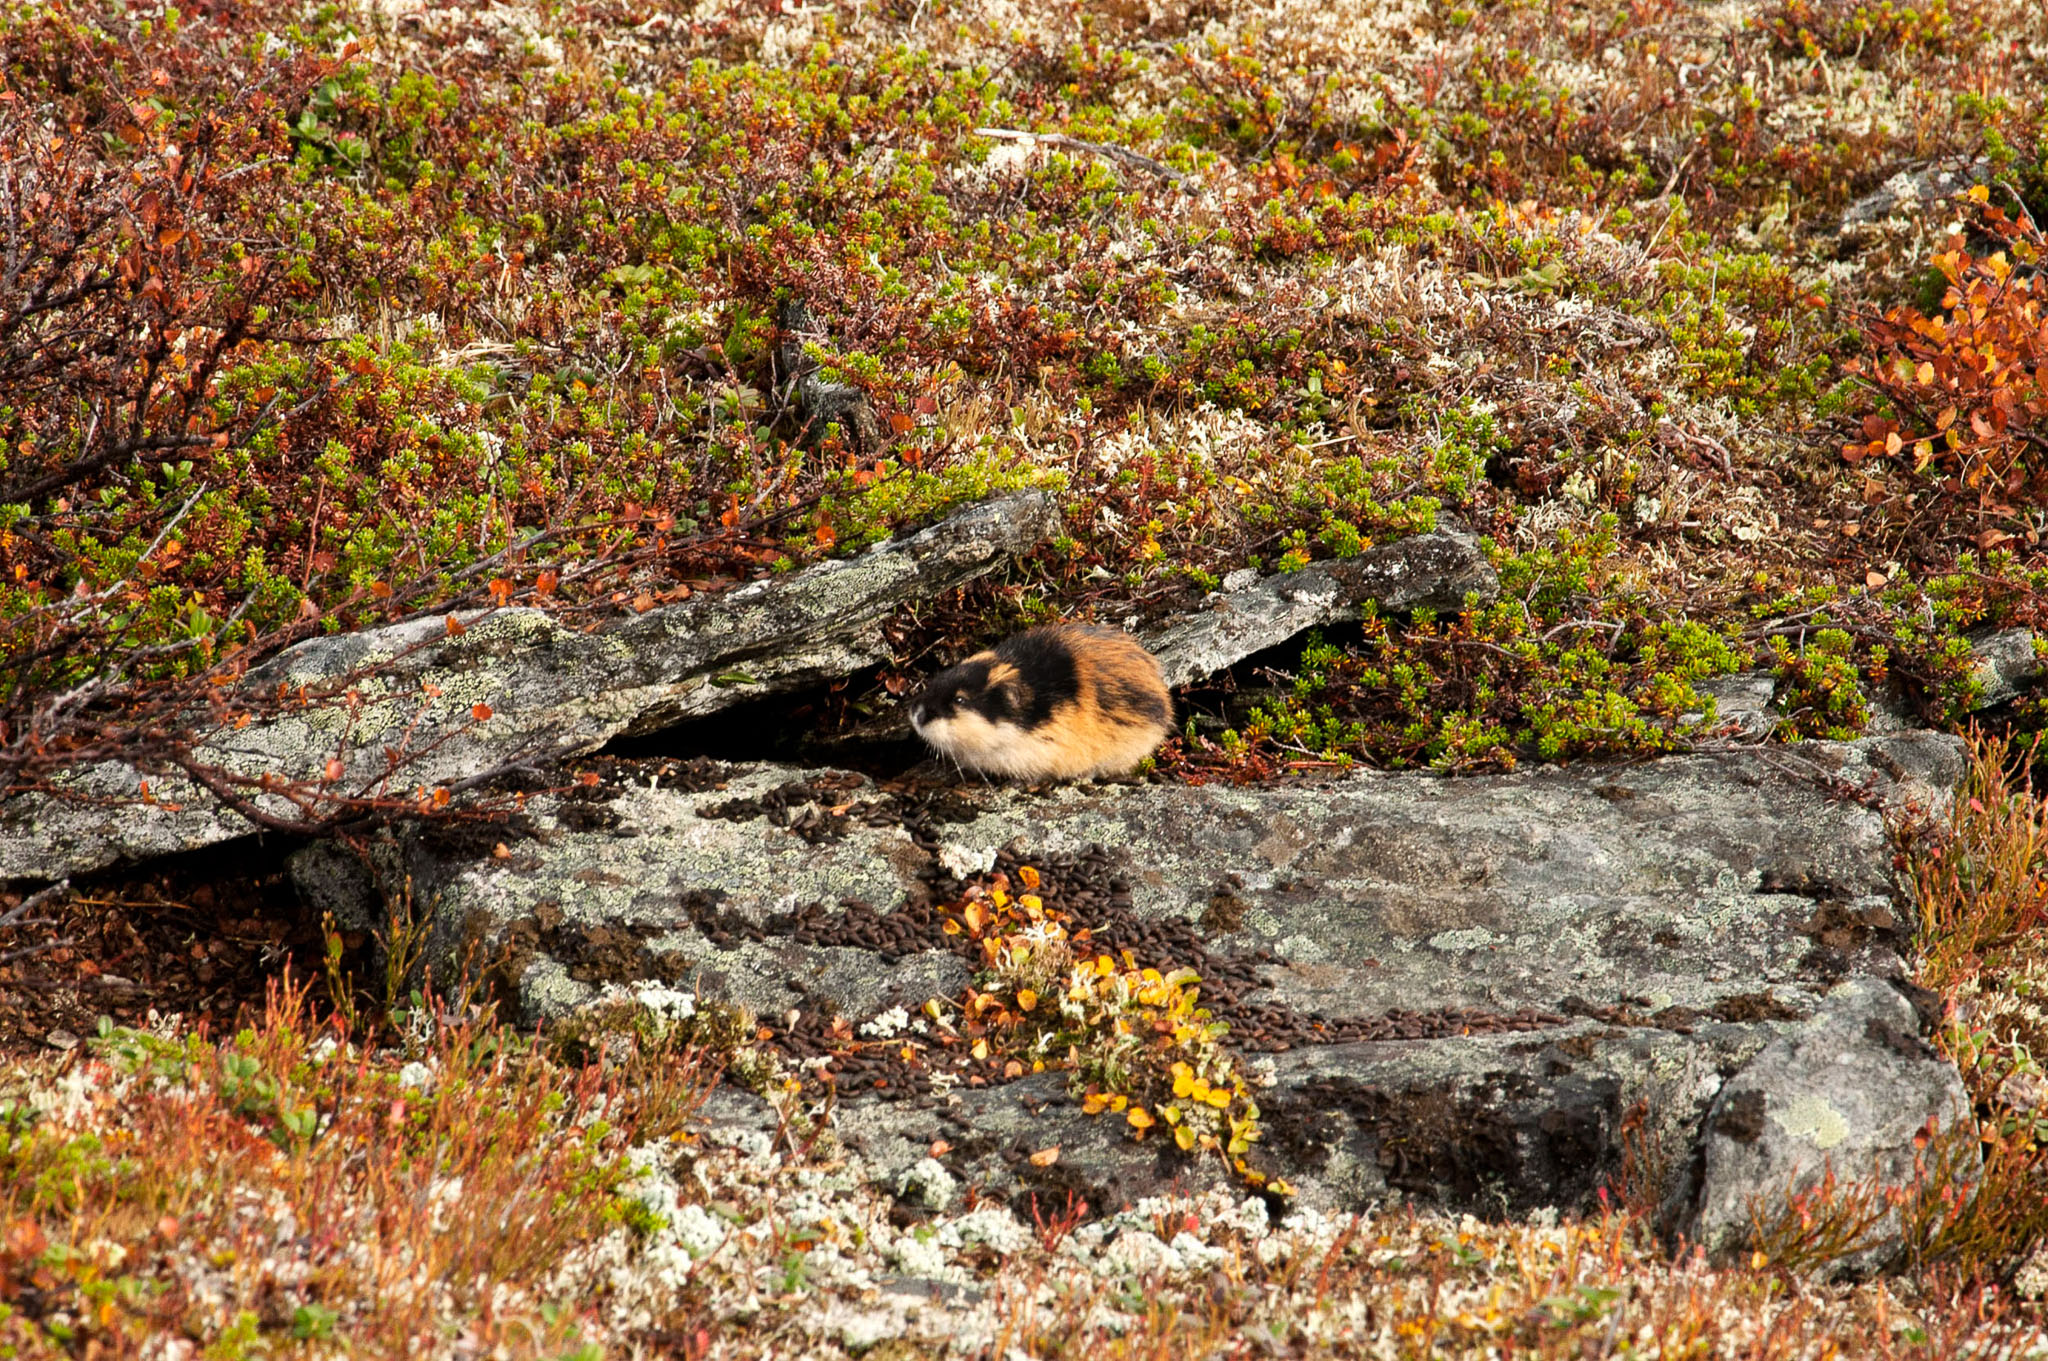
(1844, 1092)
(1435, 571)
(552, 690)
(1465, 991)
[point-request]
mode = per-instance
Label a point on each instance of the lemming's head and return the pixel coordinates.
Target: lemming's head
(963, 701)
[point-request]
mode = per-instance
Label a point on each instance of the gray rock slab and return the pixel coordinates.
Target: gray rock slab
(1437, 571)
(1676, 917)
(552, 690)
(1846, 1092)
(2005, 665)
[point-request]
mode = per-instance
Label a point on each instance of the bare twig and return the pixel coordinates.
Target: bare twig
(1103, 149)
(25, 951)
(34, 901)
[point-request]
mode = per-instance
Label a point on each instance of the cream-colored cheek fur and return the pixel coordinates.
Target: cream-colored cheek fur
(1002, 749)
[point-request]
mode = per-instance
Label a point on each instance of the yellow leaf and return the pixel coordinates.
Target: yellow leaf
(1140, 1118)
(981, 1049)
(1185, 1137)
(1925, 373)
(1094, 1103)
(1026, 999)
(1028, 877)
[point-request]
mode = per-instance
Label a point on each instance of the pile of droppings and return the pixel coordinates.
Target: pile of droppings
(1086, 888)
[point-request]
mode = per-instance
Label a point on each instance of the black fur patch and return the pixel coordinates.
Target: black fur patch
(1047, 674)
(1125, 697)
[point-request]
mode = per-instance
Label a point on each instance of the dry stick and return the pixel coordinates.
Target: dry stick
(1103, 149)
(1689, 437)
(21, 911)
(34, 901)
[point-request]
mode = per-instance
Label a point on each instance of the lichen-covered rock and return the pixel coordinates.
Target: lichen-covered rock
(1845, 1092)
(550, 690)
(1470, 991)
(1437, 571)
(2004, 665)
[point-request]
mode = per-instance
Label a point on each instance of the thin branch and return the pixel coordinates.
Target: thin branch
(1113, 153)
(34, 901)
(44, 948)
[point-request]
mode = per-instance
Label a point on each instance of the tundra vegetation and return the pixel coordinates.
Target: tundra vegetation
(1723, 326)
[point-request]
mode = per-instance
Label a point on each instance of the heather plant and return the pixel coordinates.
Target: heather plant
(1961, 397)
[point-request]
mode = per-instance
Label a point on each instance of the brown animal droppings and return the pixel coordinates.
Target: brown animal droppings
(1746, 1007)
(1742, 1118)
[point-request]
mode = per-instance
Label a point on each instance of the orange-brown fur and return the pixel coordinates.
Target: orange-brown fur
(1117, 713)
